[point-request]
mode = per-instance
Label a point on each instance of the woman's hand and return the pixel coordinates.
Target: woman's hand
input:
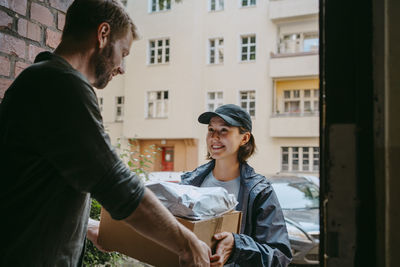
(224, 249)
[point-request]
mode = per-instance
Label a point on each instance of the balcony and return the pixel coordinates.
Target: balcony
(294, 64)
(284, 9)
(294, 126)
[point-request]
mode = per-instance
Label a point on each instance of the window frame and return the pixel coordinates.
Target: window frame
(164, 102)
(248, 46)
(157, 5)
(313, 99)
(165, 51)
(119, 117)
(217, 102)
(249, 3)
(313, 160)
(218, 6)
(248, 100)
(299, 46)
(217, 51)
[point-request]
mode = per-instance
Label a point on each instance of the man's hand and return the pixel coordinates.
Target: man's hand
(154, 221)
(93, 233)
(224, 249)
(196, 254)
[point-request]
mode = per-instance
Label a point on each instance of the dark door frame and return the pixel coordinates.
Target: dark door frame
(353, 76)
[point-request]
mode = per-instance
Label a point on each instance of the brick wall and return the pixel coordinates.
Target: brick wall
(27, 27)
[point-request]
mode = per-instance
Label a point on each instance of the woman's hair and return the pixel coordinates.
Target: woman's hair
(246, 150)
(84, 16)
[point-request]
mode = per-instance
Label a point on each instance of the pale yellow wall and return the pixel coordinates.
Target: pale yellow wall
(282, 85)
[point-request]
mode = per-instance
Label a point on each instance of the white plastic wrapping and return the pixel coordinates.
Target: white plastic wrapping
(192, 202)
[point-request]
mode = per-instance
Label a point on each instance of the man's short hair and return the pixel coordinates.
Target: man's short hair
(84, 16)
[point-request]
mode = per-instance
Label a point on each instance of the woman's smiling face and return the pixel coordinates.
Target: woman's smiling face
(223, 141)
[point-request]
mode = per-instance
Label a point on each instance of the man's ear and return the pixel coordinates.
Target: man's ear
(103, 34)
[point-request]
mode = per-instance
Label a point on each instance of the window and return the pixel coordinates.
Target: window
(315, 158)
(248, 47)
(248, 101)
(100, 101)
(159, 51)
(215, 5)
(301, 101)
(300, 159)
(285, 159)
(216, 51)
(298, 42)
(310, 42)
(214, 100)
(295, 158)
(157, 104)
(248, 2)
(119, 108)
(160, 5)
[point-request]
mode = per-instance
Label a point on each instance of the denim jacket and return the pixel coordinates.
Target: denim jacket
(263, 238)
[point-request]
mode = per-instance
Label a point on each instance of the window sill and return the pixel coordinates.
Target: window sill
(215, 11)
(215, 64)
(161, 11)
(247, 61)
(249, 6)
(296, 54)
(158, 64)
(156, 118)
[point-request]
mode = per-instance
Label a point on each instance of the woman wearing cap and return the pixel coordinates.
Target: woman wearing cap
(263, 238)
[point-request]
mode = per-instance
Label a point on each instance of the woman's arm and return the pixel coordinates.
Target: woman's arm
(269, 244)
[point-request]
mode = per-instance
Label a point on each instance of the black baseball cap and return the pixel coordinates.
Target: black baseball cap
(232, 114)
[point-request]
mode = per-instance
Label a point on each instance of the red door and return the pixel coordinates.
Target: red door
(167, 159)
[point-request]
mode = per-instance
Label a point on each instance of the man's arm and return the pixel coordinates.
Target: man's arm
(153, 220)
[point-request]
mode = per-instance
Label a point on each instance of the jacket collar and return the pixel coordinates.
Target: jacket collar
(197, 176)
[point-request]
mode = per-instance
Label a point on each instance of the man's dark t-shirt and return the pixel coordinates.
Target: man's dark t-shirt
(54, 154)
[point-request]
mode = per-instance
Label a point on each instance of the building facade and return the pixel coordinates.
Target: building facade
(193, 56)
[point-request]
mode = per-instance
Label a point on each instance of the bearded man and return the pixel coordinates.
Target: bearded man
(55, 154)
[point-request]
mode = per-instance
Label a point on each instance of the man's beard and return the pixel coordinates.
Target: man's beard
(102, 61)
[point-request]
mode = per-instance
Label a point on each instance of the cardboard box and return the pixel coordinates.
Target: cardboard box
(118, 236)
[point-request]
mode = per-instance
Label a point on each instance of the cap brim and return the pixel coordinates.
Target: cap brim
(206, 117)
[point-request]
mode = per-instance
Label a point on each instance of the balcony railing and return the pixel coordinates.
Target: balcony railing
(294, 64)
(296, 54)
(296, 114)
(301, 125)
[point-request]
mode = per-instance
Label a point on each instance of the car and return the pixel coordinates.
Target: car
(299, 199)
(163, 176)
(311, 178)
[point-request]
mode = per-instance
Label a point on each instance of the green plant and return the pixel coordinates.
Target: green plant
(139, 164)
(93, 256)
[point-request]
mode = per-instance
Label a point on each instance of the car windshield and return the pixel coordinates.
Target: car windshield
(297, 195)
